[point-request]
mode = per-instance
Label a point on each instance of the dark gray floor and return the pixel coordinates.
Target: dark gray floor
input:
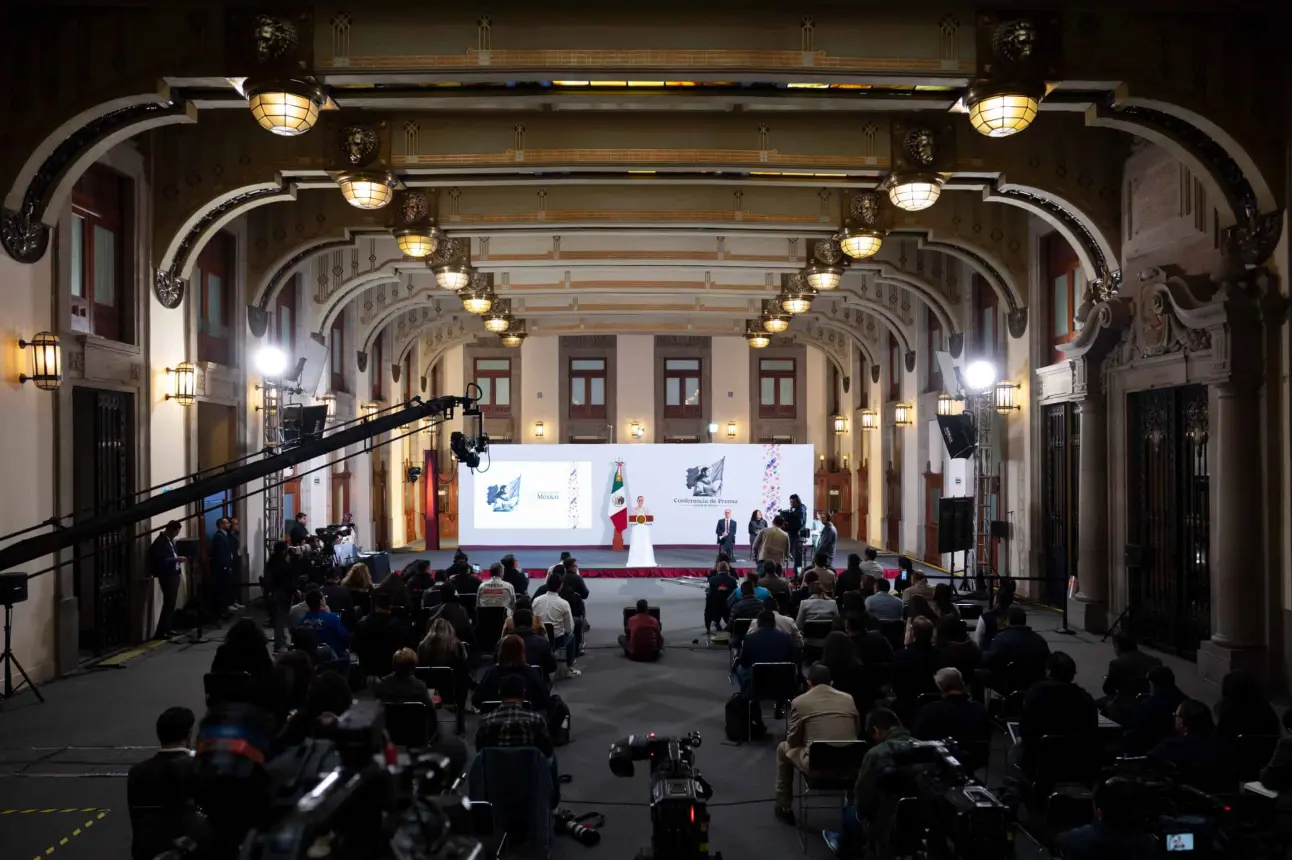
(684, 692)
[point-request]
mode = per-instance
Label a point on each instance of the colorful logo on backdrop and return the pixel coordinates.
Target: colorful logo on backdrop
(504, 497)
(704, 484)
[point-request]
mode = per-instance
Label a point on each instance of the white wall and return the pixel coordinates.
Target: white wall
(539, 389)
(730, 402)
(635, 388)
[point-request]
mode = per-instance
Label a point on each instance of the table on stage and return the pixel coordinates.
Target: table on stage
(641, 552)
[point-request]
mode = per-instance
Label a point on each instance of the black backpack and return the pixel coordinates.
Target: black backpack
(743, 723)
(558, 721)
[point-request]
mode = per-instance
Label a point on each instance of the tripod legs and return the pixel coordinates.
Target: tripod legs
(10, 661)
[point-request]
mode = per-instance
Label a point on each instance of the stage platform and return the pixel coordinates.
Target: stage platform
(608, 564)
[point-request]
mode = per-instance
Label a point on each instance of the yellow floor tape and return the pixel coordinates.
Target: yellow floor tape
(118, 659)
(99, 816)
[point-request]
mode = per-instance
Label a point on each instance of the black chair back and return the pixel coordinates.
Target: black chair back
(739, 627)
(969, 611)
(818, 629)
(469, 603)
(440, 679)
(406, 724)
(489, 624)
(494, 704)
(1251, 753)
(894, 632)
(834, 765)
(551, 633)
(1067, 760)
(630, 611)
(227, 687)
(778, 682)
(926, 699)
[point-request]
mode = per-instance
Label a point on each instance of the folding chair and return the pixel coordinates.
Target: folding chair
(894, 632)
(832, 769)
(969, 611)
(226, 687)
(489, 624)
(495, 704)
(441, 678)
(739, 627)
(778, 682)
(814, 633)
(1061, 763)
(551, 633)
(517, 784)
(406, 724)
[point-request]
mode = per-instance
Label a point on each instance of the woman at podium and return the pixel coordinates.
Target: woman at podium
(640, 510)
(641, 552)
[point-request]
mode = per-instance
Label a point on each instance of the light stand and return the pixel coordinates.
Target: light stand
(10, 661)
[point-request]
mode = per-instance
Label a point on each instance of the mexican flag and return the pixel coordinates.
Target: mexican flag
(618, 508)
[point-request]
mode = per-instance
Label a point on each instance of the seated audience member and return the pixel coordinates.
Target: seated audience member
(918, 607)
(329, 697)
(1020, 645)
(441, 647)
(872, 566)
(538, 650)
(536, 624)
(722, 586)
(397, 589)
(496, 591)
(869, 585)
(452, 611)
(160, 790)
(1243, 709)
(514, 575)
(573, 592)
(295, 669)
(821, 714)
(326, 625)
(1117, 833)
(764, 644)
(1277, 774)
(882, 605)
(785, 624)
(821, 572)
(512, 662)
(514, 725)
(298, 610)
(858, 832)
(643, 641)
(1153, 719)
(993, 619)
(919, 586)
(749, 605)
(558, 569)
(401, 685)
(777, 586)
(306, 641)
(554, 609)
(759, 592)
(942, 602)
(463, 578)
(914, 666)
(1055, 706)
(871, 646)
(955, 648)
(850, 579)
(955, 716)
(244, 649)
(338, 597)
(379, 635)
(1193, 753)
(1127, 673)
(847, 673)
(905, 574)
(819, 606)
(358, 582)
(418, 576)
(571, 579)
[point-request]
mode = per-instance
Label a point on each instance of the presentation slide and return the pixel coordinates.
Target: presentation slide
(531, 494)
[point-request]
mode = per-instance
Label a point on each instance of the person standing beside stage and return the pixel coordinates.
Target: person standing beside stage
(163, 565)
(726, 532)
(222, 571)
(794, 525)
(755, 528)
(773, 544)
(828, 540)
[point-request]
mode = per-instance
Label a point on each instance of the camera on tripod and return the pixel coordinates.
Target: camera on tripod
(678, 793)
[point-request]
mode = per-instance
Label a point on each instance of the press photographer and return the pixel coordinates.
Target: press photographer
(678, 793)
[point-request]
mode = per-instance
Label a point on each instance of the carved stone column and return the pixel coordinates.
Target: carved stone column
(1237, 574)
(1092, 527)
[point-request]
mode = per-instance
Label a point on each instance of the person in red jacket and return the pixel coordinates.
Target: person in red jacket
(643, 640)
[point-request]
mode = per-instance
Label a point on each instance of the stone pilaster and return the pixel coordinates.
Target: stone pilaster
(1092, 524)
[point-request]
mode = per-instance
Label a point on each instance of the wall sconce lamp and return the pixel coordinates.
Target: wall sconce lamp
(1006, 398)
(185, 392)
(538, 430)
(329, 400)
(370, 410)
(637, 430)
(46, 361)
(840, 424)
(845, 462)
(944, 403)
(869, 419)
(731, 429)
(903, 415)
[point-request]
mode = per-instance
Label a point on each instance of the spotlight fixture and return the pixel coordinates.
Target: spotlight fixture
(286, 108)
(1006, 397)
(514, 335)
(418, 242)
(914, 191)
(185, 393)
(840, 423)
(823, 277)
(452, 276)
(731, 429)
(755, 336)
(477, 301)
(366, 189)
(46, 361)
(903, 415)
(1002, 110)
(497, 320)
(945, 402)
(979, 376)
(860, 242)
(869, 419)
(271, 362)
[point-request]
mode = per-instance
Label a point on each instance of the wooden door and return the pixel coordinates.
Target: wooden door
(1058, 500)
(380, 505)
(863, 506)
(893, 508)
(431, 501)
(932, 497)
(448, 506)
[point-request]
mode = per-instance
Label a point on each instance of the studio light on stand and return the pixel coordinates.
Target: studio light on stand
(271, 362)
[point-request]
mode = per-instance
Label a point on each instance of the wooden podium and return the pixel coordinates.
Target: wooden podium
(618, 544)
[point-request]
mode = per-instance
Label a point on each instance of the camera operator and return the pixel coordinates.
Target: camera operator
(1115, 833)
(795, 524)
(299, 534)
(859, 825)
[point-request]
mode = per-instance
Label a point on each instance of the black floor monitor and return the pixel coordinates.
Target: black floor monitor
(958, 435)
(955, 524)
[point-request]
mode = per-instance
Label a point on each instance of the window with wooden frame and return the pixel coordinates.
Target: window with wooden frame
(776, 388)
(1063, 285)
(285, 316)
(493, 375)
(894, 368)
(336, 352)
(934, 329)
(587, 388)
(102, 238)
(213, 288)
(987, 340)
(379, 370)
(340, 496)
(682, 395)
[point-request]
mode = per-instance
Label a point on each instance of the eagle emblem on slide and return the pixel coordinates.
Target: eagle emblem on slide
(504, 497)
(705, 481)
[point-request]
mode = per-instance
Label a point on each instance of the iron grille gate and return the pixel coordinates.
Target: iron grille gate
(1168, 521)
(104, 463)
(1059, 499)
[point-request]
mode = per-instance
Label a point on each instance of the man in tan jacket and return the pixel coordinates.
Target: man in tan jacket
(773, 543)
(821, 714)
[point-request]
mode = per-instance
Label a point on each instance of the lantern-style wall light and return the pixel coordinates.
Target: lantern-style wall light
(840, 424)
(370, 410)
(539, 430)
(903, 415)
(731, 429)
(713, 427)
(46, 361)
(184, 389)
(869, 419)
(637, 430)
(945, 402)
(1006, 398)
(329, 400)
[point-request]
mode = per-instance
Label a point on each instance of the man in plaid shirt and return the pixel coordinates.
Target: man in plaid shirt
(514, 725)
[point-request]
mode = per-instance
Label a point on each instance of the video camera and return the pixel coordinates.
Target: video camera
(957, 817)
(678, 792)
(468, 448)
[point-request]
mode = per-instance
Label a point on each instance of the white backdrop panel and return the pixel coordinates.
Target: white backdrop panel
(558, 495)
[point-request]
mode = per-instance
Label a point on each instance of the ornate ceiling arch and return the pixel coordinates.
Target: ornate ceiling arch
(829, 334)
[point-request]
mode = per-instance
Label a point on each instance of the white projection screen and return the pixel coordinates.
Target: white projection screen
(558, 495)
